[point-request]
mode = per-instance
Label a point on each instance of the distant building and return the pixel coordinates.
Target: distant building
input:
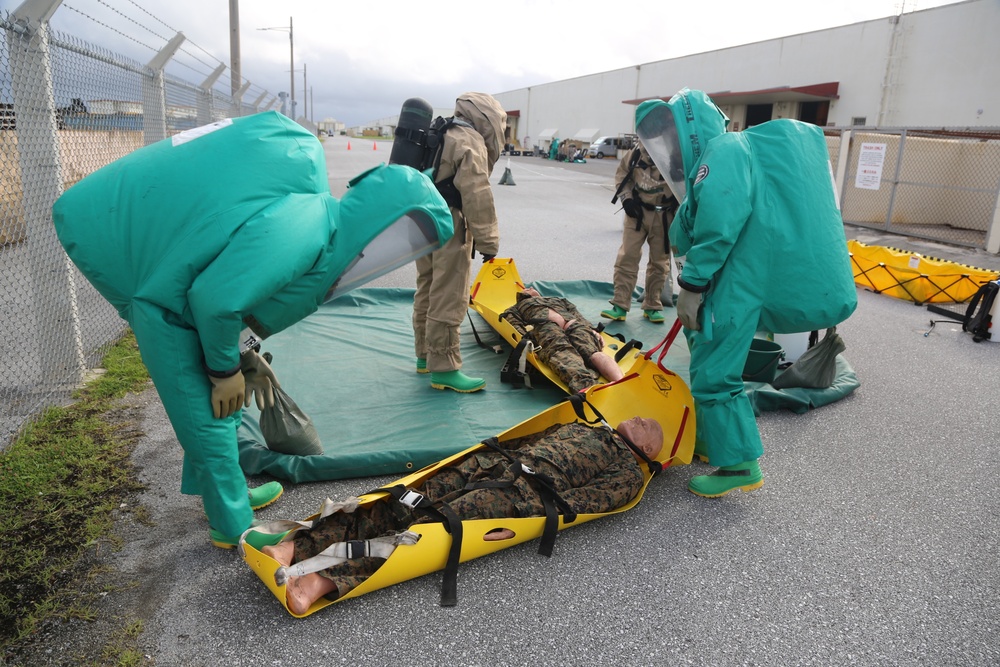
(931, 68)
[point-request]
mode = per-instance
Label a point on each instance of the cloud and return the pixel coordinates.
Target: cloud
(362, 61)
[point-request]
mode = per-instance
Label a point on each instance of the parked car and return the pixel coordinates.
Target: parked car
(609, 146)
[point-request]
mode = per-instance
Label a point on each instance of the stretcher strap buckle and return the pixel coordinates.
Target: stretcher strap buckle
(356, 549)
(411, 499)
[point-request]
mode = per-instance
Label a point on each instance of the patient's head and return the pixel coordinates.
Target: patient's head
(644, 433)
(527, 293)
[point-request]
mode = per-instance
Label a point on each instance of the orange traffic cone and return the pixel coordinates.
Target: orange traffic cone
(374, 145)
(348, 145)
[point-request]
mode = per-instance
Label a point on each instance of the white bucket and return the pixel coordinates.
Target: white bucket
(794, 344)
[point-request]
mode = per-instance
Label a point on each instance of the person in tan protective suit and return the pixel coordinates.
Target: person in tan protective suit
(471, 148)
(649, 209)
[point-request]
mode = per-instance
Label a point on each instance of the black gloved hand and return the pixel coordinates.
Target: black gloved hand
(487, 258)
(632, 208)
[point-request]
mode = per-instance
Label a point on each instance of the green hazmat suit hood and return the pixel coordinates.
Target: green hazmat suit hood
(676, 134)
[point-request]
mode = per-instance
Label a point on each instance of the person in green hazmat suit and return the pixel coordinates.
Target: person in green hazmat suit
(762, 241)
(218, 237)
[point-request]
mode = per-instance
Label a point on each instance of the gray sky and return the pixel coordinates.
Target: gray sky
(363, 60)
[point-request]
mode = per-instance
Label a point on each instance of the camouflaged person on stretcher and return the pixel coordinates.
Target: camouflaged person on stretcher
(574, 468)
(563, 339)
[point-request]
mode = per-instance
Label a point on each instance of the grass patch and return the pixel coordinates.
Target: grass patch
(62, 484)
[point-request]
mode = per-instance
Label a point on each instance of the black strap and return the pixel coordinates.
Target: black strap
(497, 349)
(452, 523)
(731, 473)
(629, 346)
(631, 165)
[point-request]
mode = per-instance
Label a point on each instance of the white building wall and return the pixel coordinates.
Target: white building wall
(949, 71)
(943, 69)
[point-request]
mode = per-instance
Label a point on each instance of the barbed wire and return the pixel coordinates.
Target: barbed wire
(209, 66)
(112, 29)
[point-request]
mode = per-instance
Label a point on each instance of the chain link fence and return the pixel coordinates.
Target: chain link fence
(935, 184)
(67, 108)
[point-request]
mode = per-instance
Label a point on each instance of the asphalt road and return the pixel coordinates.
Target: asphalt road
(874, 540)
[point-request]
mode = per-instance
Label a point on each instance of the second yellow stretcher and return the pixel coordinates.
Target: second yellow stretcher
(495, 290)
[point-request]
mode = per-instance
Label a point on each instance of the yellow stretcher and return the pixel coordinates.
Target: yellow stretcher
(914, 277)
(649, 390)
(495, 290)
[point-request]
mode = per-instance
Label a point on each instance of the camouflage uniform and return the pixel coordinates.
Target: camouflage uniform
(591, 468)
(567, 351)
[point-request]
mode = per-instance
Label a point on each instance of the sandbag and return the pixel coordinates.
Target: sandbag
(287, 429)
(817, 367)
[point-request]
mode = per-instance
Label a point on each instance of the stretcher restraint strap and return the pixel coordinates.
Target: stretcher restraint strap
(452, 523)
(578, 400)
(552, 502)
(338, 552)
(628, 347)
(497, 349)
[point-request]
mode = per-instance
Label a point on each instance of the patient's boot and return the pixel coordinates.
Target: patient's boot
(615, 313)
(745, 476)
(457, 381)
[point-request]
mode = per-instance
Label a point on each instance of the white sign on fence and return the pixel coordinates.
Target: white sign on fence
(869, 176)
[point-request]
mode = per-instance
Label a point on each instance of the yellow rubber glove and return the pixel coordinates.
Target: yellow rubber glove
(260, 380)
(227, 394)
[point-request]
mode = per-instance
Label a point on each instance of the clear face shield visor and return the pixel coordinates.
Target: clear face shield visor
(405, 240)
(658, 133)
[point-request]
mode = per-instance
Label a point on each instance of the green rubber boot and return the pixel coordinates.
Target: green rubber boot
(422, 365)
(745, 476)
(265, 494)
(457, 381)
(615, 313)
(254, 539)
(654, 316)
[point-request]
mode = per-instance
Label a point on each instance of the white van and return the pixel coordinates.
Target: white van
(604, 147)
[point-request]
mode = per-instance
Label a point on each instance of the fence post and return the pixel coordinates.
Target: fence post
(154, 94)
(895, 180)
(255, 105)
(205, 97)
(993, 233)
(61, 358)
(843, 155)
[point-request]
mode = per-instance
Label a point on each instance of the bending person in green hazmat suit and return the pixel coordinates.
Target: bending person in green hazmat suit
(223, 227)
(763, 246)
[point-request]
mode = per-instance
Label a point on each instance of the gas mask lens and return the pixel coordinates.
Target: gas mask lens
(658, 134)
(408, 238)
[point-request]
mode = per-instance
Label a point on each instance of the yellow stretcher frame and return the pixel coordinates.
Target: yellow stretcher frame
(495, 290)
(910, 276)
(649, 390)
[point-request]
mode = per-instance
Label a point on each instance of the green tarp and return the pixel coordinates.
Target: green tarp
(351, 368)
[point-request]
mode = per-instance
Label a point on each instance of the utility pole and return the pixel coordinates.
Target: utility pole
(291, 65)
(234, 44)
